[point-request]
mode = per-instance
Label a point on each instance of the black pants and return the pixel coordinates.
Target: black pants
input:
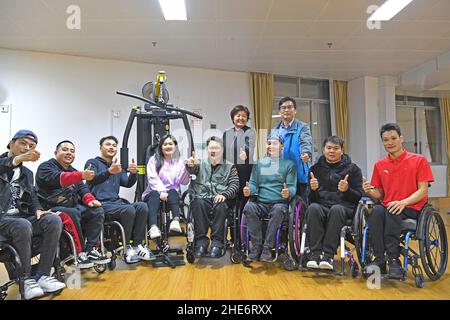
(153, 203)
(132, 216)
(324, 227)
(206, 213)
(24, 232)
(385, 230)
(88, 221)
(254, 211)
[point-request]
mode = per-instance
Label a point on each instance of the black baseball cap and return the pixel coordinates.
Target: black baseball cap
(24, 134)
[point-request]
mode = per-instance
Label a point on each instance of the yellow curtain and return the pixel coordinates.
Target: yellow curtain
(261, 90)
(341, 106)
(445, 113)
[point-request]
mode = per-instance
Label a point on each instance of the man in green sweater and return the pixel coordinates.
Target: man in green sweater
(216, 184)
(273, 183)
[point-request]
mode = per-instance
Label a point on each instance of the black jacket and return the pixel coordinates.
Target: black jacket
(29, 202)
(48, 182)
(329, 176)
(105, 186)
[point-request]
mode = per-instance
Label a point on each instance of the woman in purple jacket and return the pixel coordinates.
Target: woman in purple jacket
(165, 173)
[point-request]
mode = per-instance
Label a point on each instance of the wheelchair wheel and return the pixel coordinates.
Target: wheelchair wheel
(296, 221)
(420, 283)
(433, 244)
(3, 294)
(100, 268)
(112, 264)
(236, 257)
(359, 224)
(190, 257)
(288, 263)
(354, 270)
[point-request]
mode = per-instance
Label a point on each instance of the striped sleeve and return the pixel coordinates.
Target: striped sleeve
(233, 185)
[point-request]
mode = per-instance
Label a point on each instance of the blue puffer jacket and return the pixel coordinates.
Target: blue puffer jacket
(297, 140)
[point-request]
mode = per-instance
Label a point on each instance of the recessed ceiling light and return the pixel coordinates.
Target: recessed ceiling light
(173, 9)
(388, 10)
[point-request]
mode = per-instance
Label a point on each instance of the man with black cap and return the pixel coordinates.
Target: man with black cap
(22, 218)
(273, 183)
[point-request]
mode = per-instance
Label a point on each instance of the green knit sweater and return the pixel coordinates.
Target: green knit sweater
(268, 177)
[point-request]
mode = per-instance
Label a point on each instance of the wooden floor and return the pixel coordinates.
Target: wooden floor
(220, 279)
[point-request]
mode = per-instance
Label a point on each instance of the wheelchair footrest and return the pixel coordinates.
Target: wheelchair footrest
(161, 261)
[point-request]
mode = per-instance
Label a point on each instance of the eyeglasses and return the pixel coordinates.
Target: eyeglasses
(288, 107)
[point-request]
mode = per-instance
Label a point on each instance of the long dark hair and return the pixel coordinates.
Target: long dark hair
(159, 156)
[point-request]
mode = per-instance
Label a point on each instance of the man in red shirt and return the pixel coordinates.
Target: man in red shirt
(400, 180)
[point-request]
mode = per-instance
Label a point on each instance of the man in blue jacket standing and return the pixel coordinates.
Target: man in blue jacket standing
(297, 142)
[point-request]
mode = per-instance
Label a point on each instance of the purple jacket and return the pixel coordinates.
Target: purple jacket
(171, 176)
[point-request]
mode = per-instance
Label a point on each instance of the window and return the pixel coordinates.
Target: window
(420, 121)
(313, 105)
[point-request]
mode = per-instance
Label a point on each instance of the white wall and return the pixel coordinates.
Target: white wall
(363, 139)
(66, 97)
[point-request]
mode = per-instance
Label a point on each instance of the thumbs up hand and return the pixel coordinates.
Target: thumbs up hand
(246, 190)
(313, 182)
(132, 167)
(343, 184)
(115, 167)
(285, 191)
(192, 161)
(242, 154)
(367, 187)
(88, 174)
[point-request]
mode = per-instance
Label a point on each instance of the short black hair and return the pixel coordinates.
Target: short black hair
(284, 99)
(108, 138)
(390, 127)
(64, 141)
(238, 108)
(333, 140)
(216, 139)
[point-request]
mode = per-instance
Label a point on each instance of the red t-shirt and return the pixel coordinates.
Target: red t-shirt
(399, 177)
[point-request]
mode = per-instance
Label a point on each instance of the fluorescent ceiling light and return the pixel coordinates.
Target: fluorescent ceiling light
(388, 10)
(173, 9)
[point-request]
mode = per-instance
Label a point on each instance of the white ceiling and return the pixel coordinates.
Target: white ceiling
(288, 37)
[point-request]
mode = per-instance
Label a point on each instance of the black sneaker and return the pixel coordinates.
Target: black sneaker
(255, 252)
(395, 269)
(83, 262)
(326, 263)
(97, 258)
(266, 255)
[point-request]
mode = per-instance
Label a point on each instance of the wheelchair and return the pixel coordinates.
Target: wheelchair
(230, 225)
(112, 239)
(428, 230)
(283, 242)
(13, 265)
(300, 249)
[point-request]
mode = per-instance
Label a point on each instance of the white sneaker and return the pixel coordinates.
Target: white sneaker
(175, 226)
(312, 264)
(154, 232)
(50, 284)
(131, 255)
(143, 253)
(31, 289)
(326, 264)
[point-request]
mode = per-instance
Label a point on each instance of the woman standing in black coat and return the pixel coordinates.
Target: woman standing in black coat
(239, 146)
